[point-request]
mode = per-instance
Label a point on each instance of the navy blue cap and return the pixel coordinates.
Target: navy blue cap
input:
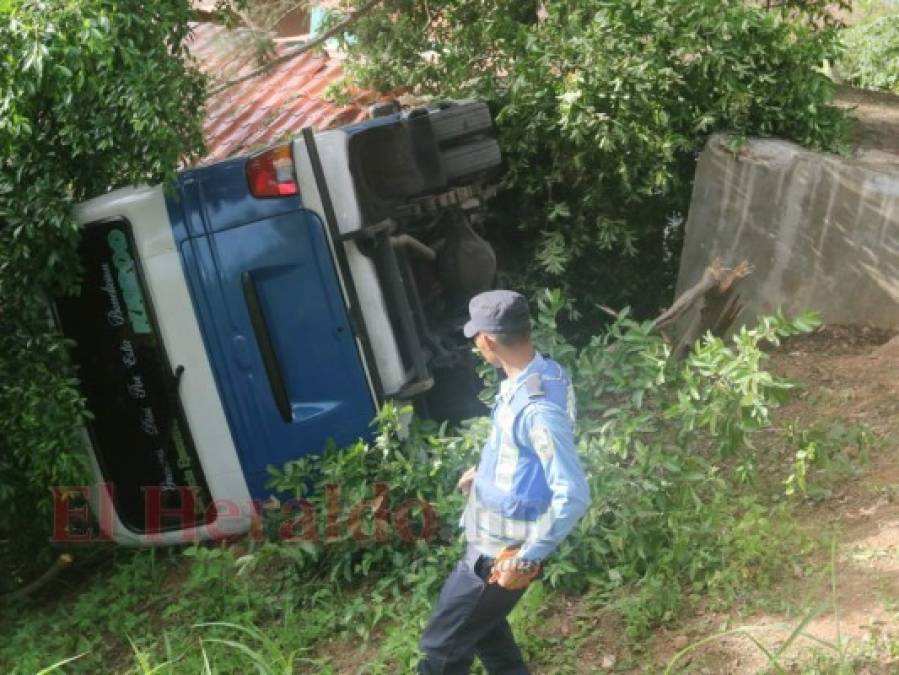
(498, 312)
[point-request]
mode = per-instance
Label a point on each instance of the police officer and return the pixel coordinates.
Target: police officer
(524, 497)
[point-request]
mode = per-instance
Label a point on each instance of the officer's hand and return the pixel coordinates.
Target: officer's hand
(512, 573)
(467, 479)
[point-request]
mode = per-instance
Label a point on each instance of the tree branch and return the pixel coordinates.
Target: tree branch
(717, 305)
(312, 44)
(61, 563)
(223, 14)
(716, 277)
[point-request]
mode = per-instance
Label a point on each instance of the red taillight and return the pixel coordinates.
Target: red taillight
(272, 173)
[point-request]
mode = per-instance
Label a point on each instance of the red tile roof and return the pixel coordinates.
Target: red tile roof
(272, 106)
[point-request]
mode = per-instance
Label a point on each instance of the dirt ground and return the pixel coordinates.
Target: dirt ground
(851, 376)
(877, 129)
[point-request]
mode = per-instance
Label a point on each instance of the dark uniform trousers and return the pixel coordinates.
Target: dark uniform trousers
(470, 620)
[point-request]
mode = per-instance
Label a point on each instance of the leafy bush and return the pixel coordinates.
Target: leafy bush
(411, 466)
(825, 456)
(666, 445)
(601, 107)
(93, 95)
(871, 57)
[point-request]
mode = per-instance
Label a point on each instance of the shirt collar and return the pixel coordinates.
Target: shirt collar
(510, 384)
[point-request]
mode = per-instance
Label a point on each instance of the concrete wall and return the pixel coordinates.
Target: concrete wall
(821, 231)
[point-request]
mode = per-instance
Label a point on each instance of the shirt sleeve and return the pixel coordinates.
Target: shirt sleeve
(549, 431)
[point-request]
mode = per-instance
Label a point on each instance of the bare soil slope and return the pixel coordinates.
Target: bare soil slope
(852, 376)
(877, 129)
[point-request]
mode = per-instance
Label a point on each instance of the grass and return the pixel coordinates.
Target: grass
(218, 609)
(162, 612)
(839, 656)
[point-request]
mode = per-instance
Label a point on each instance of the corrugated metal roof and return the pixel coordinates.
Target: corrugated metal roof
(276, 104)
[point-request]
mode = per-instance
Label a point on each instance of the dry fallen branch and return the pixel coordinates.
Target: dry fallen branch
(716, 278)
(61, 563)
(718, 304)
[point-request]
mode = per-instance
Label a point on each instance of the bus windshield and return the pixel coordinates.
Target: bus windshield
(139, 433)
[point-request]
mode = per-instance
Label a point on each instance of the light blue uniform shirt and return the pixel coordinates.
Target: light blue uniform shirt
(548, 429)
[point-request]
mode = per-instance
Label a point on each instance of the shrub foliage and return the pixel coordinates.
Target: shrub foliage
(665, 444)
(871, 57)
(93, 95)
(601, 107)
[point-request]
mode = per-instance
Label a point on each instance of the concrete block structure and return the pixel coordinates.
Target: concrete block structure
(822, 231)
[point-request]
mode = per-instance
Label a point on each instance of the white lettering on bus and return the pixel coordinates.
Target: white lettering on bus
(127, 276)
(114, 315)
(148, 422)
(129, 358)
(136, 387)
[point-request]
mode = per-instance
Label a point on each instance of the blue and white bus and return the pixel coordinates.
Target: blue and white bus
(265, 305)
